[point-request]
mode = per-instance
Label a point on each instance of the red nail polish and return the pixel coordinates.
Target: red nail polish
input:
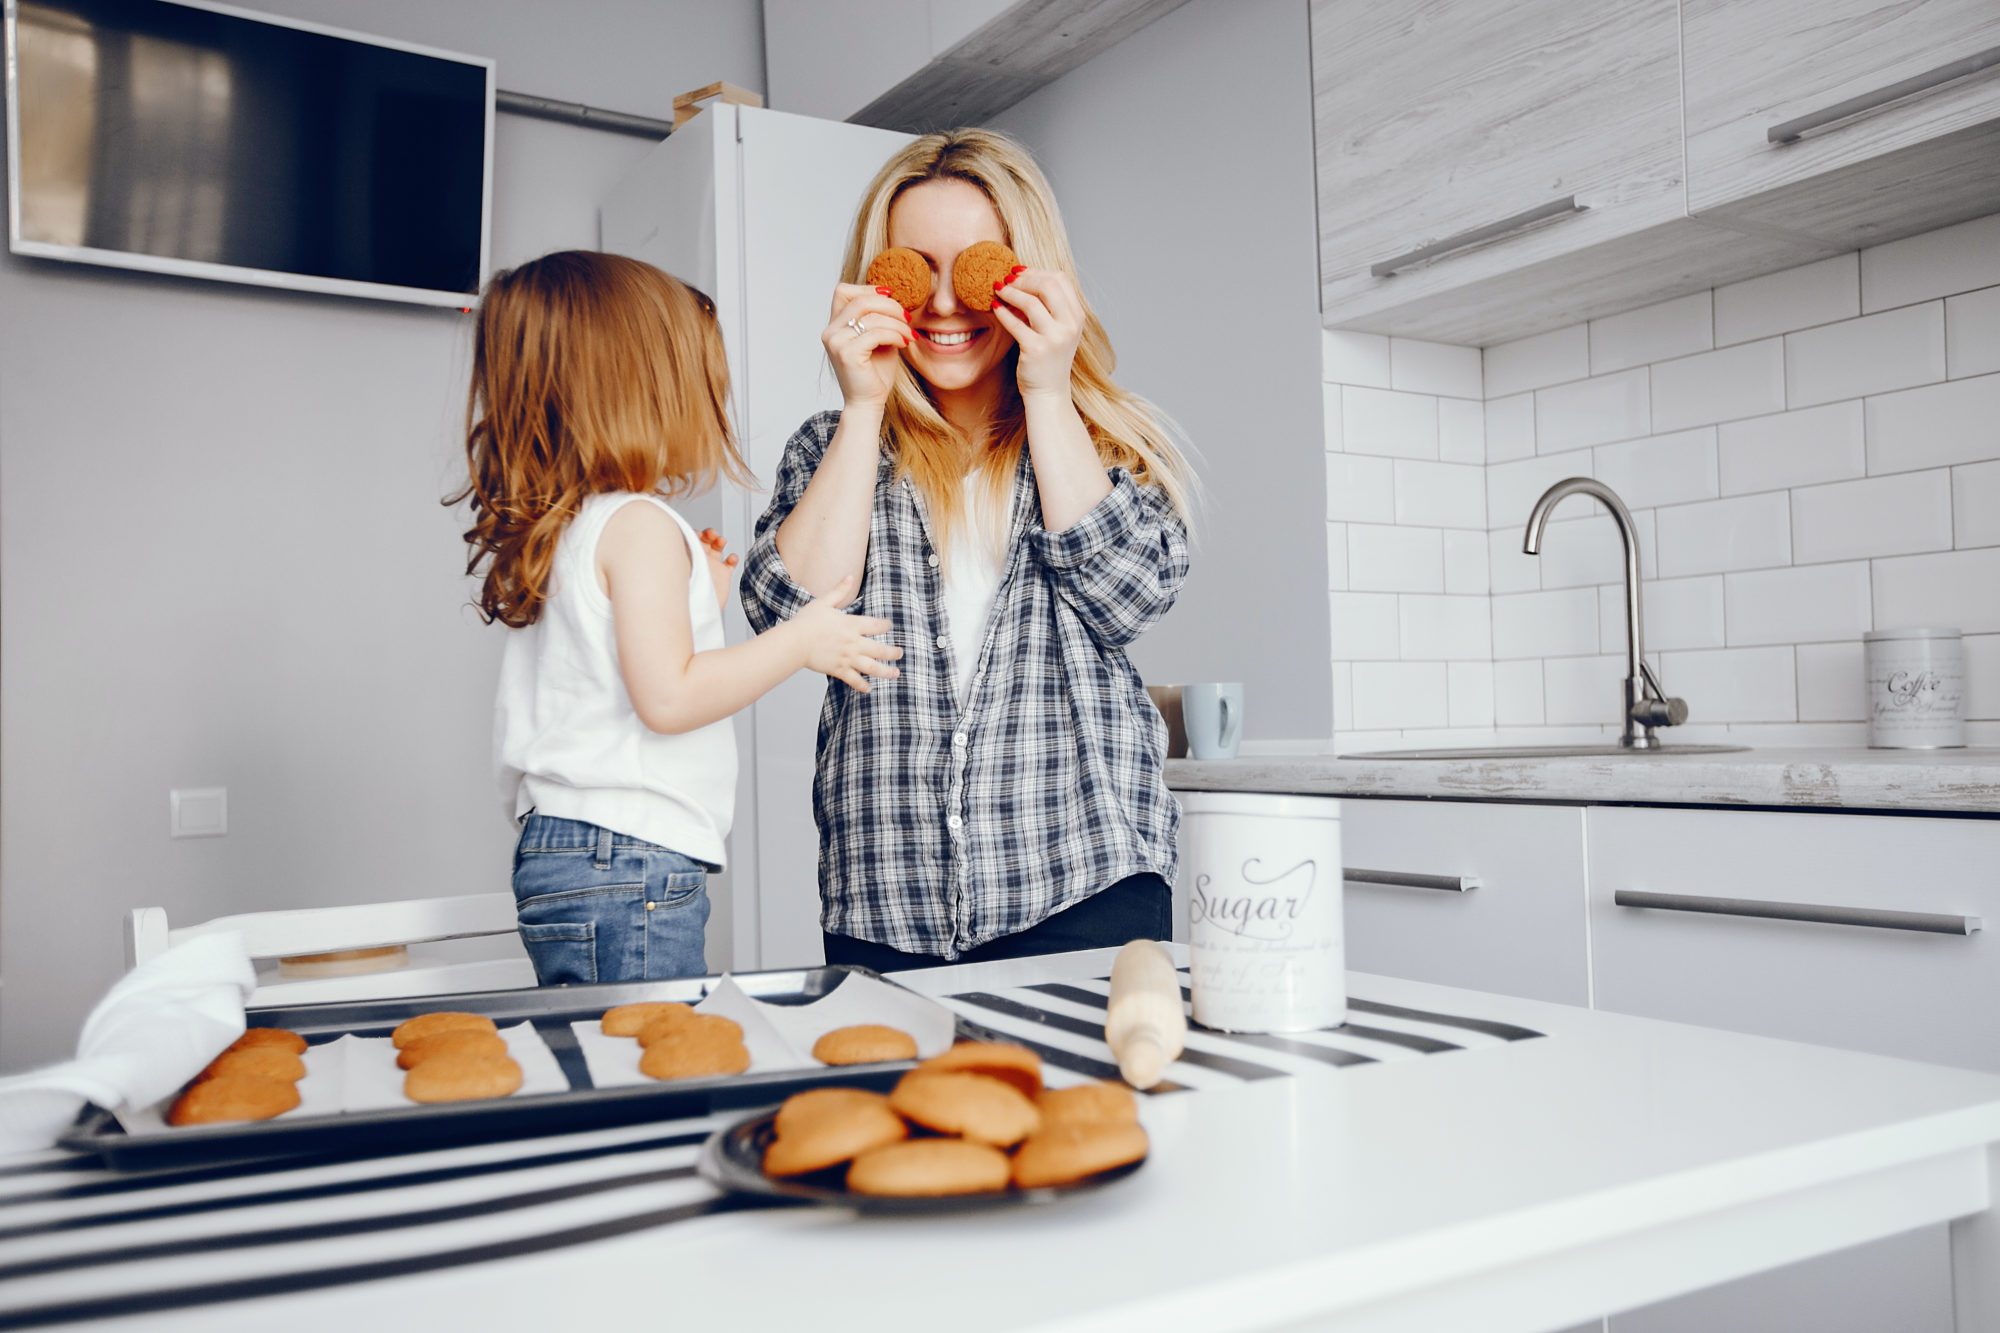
(883, 291)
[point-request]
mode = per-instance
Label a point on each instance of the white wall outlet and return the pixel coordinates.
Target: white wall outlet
(198, 812)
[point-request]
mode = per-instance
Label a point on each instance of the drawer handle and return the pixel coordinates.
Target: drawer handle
(1399, 880)
(1555, 208)
(1934, 923)
(1791, 131)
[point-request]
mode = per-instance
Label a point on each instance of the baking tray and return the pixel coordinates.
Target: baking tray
(551, 1010)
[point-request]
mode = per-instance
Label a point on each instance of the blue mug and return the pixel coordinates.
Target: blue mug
(1213, 715)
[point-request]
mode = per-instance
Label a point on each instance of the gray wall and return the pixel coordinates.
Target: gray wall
(1183, 161)
(222, 560)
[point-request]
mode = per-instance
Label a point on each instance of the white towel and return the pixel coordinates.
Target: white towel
(153, 1032)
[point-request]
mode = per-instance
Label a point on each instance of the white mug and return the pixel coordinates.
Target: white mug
(1213, 716)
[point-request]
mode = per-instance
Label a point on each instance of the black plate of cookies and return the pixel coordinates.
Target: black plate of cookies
(971, 1128)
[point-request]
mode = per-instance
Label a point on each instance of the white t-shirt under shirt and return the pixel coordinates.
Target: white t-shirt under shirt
(565, 735)
(972, 578)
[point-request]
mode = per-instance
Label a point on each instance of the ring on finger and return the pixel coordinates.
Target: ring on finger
(858, 325)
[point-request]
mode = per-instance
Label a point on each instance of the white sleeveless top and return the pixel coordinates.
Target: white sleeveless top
(971, 581)
(565, 735)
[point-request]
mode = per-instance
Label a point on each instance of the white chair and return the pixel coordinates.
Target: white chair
(415, 921)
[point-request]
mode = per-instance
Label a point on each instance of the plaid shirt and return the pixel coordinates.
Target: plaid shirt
(944, 826)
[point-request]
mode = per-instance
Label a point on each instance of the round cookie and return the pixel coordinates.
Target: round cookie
(1088, 1104)
(1016, 1065)
(918, 1167)
(235, 1097)
(696, 1052)
(452, 1041)
(280, 1037)
(970, 1105)
(1061, 1154)
(802, 1108)
(257, 1062)
(905, 273)
(668, 1025)
(978, 271)
(462, 1078)
(424, 1025)
(629, 1020)
(833, 1137)
(864, 1044)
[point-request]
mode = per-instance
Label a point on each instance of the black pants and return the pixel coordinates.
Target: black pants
(1139, 907)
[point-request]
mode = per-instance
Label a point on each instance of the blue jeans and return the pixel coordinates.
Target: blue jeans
(600, 906)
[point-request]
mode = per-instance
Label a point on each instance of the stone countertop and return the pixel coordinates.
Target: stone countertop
(1940, 781)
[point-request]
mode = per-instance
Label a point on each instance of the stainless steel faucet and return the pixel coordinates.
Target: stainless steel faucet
(1646, 704)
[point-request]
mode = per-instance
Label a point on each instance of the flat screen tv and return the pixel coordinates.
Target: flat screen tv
(178, 136)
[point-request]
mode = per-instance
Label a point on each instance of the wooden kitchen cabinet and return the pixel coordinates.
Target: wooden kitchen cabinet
(1926, 159)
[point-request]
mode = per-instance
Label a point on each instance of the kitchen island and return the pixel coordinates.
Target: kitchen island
(1505, 1164)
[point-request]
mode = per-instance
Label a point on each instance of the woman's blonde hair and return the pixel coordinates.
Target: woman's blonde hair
(1128, 431)
(591, 372)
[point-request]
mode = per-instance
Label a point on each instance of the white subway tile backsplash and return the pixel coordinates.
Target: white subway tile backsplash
(1833, 685)
(1583, 689)
(1799, 448)
(1803, 605)
(1896, 515)
(1385, 423)
(1972, 333)
(1390, 559)
(1734, 684)
(1343, 696)
(1958, 588)
(1354, 358)
(1465, 563)
(1517, 694)
(1336, 557)
(1652, 333)
(1662, 470)
(1678, 613)
(1461, 431)
(1562, 623)
(1982, 676)
(1400, 694)
(1798, 298)
(1975, 504)
(1579, 552)
(1531, 363)
(1469, 686)
(1366, 626)
(1936, 263)
(1592, 411)
(1446, 629)
(1510, 428)
(1509, 567)
(1742, 381)
(1897, 349)
(1716, 536)
(1513, 488)
(1360, 490)
(1439, 368)
(1440, 495)
(1934, 426)
(1795, 735)
(1333, 433)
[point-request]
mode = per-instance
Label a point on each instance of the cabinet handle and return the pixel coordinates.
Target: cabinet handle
(1555, 208)
(1399, 880)
(1934, 923)
(1791, 131)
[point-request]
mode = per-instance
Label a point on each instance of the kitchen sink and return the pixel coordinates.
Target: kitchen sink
(1610, 751)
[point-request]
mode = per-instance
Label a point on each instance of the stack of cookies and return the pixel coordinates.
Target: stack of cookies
(971, 1121)
(255, 1079)
(454, 1057)
(676, 1042)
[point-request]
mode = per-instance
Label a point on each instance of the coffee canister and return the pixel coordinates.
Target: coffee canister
(1267, 947)
(1916, 689)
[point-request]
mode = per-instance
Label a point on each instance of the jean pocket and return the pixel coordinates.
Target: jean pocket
(676, 886)
(563, 952)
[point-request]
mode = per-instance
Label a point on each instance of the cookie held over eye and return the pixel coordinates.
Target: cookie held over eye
(976, 271)
(864, 1044)
(905, 273)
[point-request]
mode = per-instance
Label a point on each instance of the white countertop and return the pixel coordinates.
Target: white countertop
(1956, 781)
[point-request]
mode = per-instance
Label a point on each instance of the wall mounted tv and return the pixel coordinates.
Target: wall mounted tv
(178, 136)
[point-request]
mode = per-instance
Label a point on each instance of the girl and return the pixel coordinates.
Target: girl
(1021, 520)
(598, 390)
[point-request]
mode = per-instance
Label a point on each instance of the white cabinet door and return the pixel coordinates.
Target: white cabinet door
(1519, 932)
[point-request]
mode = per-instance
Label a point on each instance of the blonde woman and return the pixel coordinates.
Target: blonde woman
(1019, 519)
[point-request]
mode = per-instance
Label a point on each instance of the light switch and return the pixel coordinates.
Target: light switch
(199, 812)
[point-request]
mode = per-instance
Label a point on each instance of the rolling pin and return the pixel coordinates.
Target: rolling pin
(1144, 1023)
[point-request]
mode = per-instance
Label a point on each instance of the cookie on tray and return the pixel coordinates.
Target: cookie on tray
(282, 1037)
(424, 1025)
(452, 1041)
(996, 1059)
(1064, 1154)
(972, 1106)
(929, 1167)
(696, 1051)
(668, 1025)
(832, 1137)
(629, 1020)
(462, 1078)
(256, 1062)
(1088, 1104)
(864, 1044)
(233, 1097)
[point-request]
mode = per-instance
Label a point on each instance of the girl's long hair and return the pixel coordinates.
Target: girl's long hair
(591, 372)
(1129, 432)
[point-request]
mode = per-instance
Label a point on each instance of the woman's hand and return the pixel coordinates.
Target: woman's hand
(722, 571)
(837, 644)
(865, 362)
(1042, 310)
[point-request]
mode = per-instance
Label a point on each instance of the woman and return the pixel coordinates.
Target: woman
(1020, 520)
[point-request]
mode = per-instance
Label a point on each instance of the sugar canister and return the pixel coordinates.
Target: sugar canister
(1916, 689)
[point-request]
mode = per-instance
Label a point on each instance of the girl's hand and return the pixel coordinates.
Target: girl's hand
(865, 362)
(837, 644)
(721, 570)
(1042, 310)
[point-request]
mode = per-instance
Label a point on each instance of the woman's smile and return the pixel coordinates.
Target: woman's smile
(951, 342)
